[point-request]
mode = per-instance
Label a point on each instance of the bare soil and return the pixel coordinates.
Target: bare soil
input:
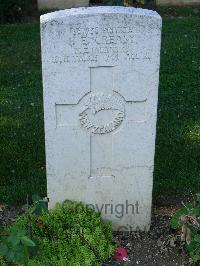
(160, 246)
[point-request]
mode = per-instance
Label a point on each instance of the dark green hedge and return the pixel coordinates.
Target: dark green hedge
(12, 11)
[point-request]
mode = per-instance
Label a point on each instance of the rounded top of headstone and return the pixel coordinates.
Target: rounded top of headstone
(99, 10)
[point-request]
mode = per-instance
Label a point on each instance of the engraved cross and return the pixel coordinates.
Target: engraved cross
(100, 112)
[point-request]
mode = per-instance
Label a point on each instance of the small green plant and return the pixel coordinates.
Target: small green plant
(15, 244)
(69, 234)
(188, 220)
(72, 234)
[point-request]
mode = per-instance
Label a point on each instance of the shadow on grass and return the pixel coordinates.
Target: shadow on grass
(22, 168)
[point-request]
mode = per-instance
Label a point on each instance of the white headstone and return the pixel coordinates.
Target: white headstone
(100, 77)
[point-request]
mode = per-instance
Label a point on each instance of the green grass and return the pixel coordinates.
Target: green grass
(177, 162)
(22, 164)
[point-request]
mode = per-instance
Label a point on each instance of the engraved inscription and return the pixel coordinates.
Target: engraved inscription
(104, 42)
(112, 42)
(96, 129)
(102, 113)
(101, 35)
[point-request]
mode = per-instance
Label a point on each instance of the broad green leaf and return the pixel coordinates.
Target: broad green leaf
(16, 230)
(196, 258)
(196, 210)
(20, 257)
(10, 255)
(27, 241)
(174, 222)
(3, 249)
(14, 240)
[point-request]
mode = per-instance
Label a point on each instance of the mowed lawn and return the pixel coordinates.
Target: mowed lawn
(22, 162)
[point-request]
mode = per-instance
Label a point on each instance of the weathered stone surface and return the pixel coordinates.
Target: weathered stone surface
(100, 77)
(61, 4)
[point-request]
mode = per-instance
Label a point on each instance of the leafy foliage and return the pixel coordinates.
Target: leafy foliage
(70, 234)
(188, 218)
(17, 244)
(14, 246)
(194, 247)
(175, 221)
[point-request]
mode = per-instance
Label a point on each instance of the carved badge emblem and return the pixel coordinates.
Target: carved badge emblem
(102, 113)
